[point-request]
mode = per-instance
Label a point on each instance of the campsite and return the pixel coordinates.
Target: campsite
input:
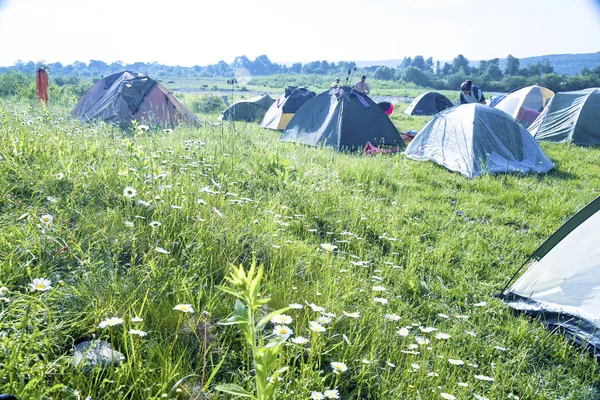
(177, 227)
(385, 264)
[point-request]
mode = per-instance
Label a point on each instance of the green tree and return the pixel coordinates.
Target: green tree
(416, 76)
(512, 65)
(385, 73)
(552, 81)
(461, 62)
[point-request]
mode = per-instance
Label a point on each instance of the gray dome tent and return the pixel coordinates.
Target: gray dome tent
(570, 117)
(127, 96)
(562, 277)
(429, 103)
(249, 110)
(474, 139)
(343, 119)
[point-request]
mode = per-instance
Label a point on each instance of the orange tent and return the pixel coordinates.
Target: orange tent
(41, 85)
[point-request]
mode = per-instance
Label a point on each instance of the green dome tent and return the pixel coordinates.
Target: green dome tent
(570, 117)
(343, 119)
(249, 110)
(429, 103)
(562, 278)
(474, 139)
(283, 109)
(127, 96)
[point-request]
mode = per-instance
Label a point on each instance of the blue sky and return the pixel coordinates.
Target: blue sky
(196, 32)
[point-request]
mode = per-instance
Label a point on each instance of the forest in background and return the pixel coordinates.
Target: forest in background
(495, 75)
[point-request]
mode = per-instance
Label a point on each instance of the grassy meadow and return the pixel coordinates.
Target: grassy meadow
(390, 267)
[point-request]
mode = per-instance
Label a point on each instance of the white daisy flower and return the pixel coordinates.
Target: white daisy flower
(282, 319)
(46, 219)
(316, 327)
(323, 320)
(299, 340)
(296, 306)
(445, 316)
(379, 288)
(137, 332)
(41, 284)
(328, 246)
(428, 329)
(484, 378)
(422, 341)
(442, 336)
(392, 317)
(332, 394)
(283, 331)
(403, 332)
(317, 396)
(380, 300)
(136, 319)
(161, 250)
(112, 321)
(129, 224)
(355, 314)
(186, 308)
(129, 192)
(455, 362)
(338, 367)
(155, 224)
(447, 396)
(316, 308)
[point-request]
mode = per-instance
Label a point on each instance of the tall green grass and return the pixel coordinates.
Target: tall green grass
(417, 247)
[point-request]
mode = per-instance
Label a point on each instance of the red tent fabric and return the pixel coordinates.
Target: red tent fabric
(41, 85)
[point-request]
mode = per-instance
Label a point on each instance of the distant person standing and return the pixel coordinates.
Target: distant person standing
(362, 86)
(336, 84)
(470, 93)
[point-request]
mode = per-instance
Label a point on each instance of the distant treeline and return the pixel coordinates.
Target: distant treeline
(420, 71)
(488, 75)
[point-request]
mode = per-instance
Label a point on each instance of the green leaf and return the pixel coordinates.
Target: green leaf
(235, 390)
(233, 320)
(240, 315)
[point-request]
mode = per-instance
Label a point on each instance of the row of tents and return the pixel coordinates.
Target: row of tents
(470, 139)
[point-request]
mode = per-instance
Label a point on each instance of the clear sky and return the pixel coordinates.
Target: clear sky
(202, 32)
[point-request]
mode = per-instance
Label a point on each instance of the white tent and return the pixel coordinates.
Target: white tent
(562, 281)
(525, 104)
(474, 139)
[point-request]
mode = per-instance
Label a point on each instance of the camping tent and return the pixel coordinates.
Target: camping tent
(474, 139)
(284, 108)
(570, 117)
(429, 103)
(525, 104)
(249, 110)
(127, 96)
(343, 119)
(562, 278)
